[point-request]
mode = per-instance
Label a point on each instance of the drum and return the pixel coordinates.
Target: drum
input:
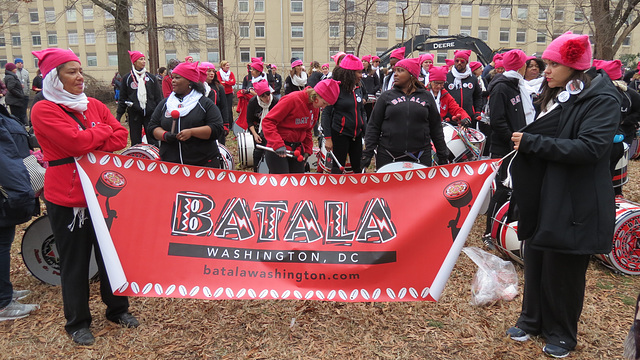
(246, 145)
(143, 151)
(400, 166)
(620, 175)
(312, 160)
(625, 254)
(226, 162)
(505, 236)
(40, 255)
(634, 151)
(463, 144)
(324, 160)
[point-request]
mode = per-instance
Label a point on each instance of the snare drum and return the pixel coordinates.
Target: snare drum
(143, 151)
(505, 235)
(246, 145)
(625, 254)
(40, 254)
(226, 162)
(463, 144)
(620, 175)
(401, 166)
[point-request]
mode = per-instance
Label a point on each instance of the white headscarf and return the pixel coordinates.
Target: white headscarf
(457, 81)
(299, 80)
(225, 75)
(53, 90)
(186, 105)
(140, 79)
(265, 109)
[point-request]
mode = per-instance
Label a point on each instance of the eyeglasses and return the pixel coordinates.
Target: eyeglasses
(265, 95)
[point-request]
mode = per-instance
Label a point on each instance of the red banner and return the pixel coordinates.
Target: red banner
(170, 230)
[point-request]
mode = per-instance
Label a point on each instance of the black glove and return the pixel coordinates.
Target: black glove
(365, 161)
(169, 137)
(443, 160)
(466, 122)
(281, 151)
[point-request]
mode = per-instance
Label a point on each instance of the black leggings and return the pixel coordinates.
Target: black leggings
(343, 145)
(285, 165)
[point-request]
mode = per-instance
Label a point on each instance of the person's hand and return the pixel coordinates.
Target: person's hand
(516, 138)
(257, 138)
(328, 144)
(169, 137)
(466, 122)
(253, 92)
(226, 129)
(365, 161)
(281, 151)
(184, 135)
(443, 160)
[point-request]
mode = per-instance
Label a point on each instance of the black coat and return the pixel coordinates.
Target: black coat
(129, 92)
(15, 95)
(561, 179)
(469, 97)
(345, 117)
(254, 111)
(314, 78)
(507, 113)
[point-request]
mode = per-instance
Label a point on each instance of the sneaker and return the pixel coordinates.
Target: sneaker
(517, 334)
(555, 351)
(127, 320)
(15, 310)
(83, 337)
(20, 294)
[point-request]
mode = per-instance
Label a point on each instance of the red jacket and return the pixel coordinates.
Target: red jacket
(448, 105)
(291, 120)
(243, 101)
(228, 85)
(61, 137)
(167, 86)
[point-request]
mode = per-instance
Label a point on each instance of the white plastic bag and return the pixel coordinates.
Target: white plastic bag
(495, 280)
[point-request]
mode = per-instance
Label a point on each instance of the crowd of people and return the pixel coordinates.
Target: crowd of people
(557, 121)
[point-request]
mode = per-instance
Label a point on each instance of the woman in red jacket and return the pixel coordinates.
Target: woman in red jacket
(446, 103)
(67, 123)
(289, 125)
(228, 80)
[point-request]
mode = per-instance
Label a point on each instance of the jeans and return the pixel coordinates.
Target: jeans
(7, 234)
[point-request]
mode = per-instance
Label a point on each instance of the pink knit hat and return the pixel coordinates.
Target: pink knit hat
(49, 59)
(325, 65)
(638, 65)
(438, 73)
(514, 59)
(336, 56)
(135, 55)
(261, 87)
(425, 57)
(474, 65)
(274, 67)
(258, 66)
(256, 59)
(351, 62)
(366, 58)
(375, 58)
(188, 58)
(613, 68)
(411, 65)
(398, 53)
(498, 64)
(329, 90)
(207, 65)
(203, 67)
(497, 57)
(449, 62)
(571, 50)
(296, 63)
(462, 54)
(189, 71)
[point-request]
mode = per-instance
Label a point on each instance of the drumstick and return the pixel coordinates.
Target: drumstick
(175, 114)
(298, 157)
(336, 160)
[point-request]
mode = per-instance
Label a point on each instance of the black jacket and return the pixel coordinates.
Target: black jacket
(275, 81)
(469, 97)
(15, 95)
(314, 78)
(507, 113)
(561, 178)
(371, 84)
(218, 97)
(345, 116)
(289, 87)
(129, 92)
(402, 123)
(254, 111)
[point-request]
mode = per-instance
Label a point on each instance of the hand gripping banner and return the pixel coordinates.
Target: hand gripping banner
(171, 230)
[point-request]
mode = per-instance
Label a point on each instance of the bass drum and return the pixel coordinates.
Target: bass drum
(401, 166)
(143, 151)
(246, 145)
(226, 159)
(40, 254)
(625, 254)
(505, 236)
(620, 175)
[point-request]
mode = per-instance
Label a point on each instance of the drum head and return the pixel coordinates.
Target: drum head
(143, 151)
(227, 158)
(400, 166)
(245, 149)
(40, 254)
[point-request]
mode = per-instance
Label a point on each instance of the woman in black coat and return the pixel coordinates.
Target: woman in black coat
(257, 108)
(15, 95)
(563, 191)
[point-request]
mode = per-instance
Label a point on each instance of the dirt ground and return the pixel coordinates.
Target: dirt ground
(284, 329)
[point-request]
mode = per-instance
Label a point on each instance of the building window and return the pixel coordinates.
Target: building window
(49, 15)
(15, 40)
(382, 7)
(261, 53)
(297, 30)
(350, 30)
(212, 32)
(401, 6)
(296, 6)
(351, 5)
(483, 34)
(13, 19)
(73, 37)
(334, 5)
(425, 31)
(52, 39)
(523, 13)
(167, 8)
(213, 56)
(559, 14)
(627, 41)
(258, 5)
(443, 10)
(168, 56)
(191, 8)
(213, 6)
(541, 37)
(483, 11)
(87, 13)
(92, 59)
(36, 40)
(334, 29)
(578, 16)
(425, 8)
(90, 37)
(2, 42)
(441, 57)
(193, 33)
(71, 14)
(465, 30)
(504, 34)
(112, 59)
(244, 30)
(443, 30)
(542, 14)
(259, 29)
(505, 13)
(297, 53)
(521, 35)
(399, 32)
(382, 31)
(111, 37)
(243, 5)
(245, 55)
(33, 16)
(169, 34)
(465, 10)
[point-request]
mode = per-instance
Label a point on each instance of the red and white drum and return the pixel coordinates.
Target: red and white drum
(400, 166)
(620, 175)
(625, 255)
(143, 151)
(463, 144)
(227, 159)
(505, 235)
(246, 145)
(325, 161)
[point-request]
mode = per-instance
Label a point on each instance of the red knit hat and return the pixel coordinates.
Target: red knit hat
(366, 58)
(10, 66)
(497, 57)
(258, 66)
(296, 63)
(474, 65)
(613, 68)
(188, 58)
(571, 50)
(327, 65)
(514, 59)
(398, 53)
(351, 62)
(411, 65)
(207, 65)
(261, 87)
(50, 58)
(256, 59)
(135, 55)
(462, 54)
(189, 71)
(438, 73)
(329, 90)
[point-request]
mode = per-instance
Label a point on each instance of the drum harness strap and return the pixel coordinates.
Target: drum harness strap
(406, 154)
(70, 159)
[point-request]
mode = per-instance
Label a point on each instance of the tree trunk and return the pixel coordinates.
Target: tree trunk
(122, 34)
(221, 30)
(153, 58)
(604, 36)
